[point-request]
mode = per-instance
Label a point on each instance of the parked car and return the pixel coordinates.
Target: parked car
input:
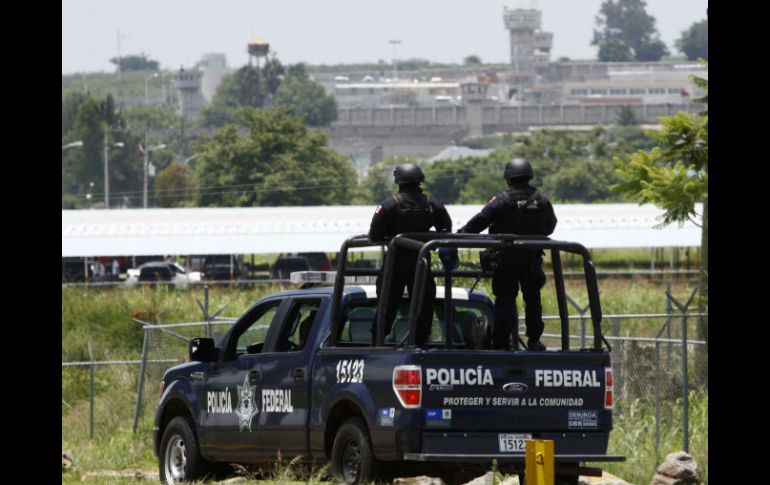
(317, 261)
(223, 272)
(285, 265)
(162, 272)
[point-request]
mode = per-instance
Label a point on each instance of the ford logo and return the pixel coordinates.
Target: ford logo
(515, 387)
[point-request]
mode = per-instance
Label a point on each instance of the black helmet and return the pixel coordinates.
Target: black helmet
(408, 173)
(518, 167)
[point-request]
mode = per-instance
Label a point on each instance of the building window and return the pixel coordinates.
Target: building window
(618, 91)
(674, 90)
(579, 92)
(637, 90)
(657, 90)
(598, 91)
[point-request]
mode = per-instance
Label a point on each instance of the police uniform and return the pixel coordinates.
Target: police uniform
(519, 210)
(408, 211)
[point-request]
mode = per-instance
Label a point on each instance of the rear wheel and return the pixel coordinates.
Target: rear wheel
(180, 459)
(352, 459)
(566, 480)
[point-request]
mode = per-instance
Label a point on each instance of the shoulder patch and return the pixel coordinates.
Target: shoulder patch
(492, 199)
(378, 209)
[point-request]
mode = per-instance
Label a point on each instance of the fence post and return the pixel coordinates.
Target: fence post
(140, 387)
(685, 383)
(91, 391)
(620, 375)
(582, 312)
(206, 310)
(669, 310)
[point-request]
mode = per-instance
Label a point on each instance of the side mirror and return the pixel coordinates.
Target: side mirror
(203, 350)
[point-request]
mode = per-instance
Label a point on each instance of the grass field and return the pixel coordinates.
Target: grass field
(103, 317)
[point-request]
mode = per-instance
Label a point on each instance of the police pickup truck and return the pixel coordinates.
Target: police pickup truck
(299, 375)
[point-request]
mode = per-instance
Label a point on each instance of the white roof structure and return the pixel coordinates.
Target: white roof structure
(455, 152)
(144, 232)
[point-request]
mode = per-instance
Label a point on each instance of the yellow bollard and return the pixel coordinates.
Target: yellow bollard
(539, 468)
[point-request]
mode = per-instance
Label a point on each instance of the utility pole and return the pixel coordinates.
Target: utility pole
(107, 130)
(394, 43)
(106, 168)
(146, 163)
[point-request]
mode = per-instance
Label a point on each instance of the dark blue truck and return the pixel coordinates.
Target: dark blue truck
(299, 376)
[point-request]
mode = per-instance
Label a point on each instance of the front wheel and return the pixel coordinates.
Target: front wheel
(180, 459)
(352, 459)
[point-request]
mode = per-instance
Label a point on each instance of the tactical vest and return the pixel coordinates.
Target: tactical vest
(524, 213)
(412, 216)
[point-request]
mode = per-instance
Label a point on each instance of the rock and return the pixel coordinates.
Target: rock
(236, 480)
(421, 480)
(678, 468)
(66, 462)
(605, 479)
(486, 479)
(127, 473)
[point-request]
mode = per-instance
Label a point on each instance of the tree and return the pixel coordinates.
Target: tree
(85, 118)
(175, 185)
(378, 183)
(625, 116)
(582, 181)
(135, 63)
(307, 100)
(249, 86)
(694, 42)
(674, 176)
(472, 60)
(614, 50)
(151, 116)
(626, 24)
(280, 162)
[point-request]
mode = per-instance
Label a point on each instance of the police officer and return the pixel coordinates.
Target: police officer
(521, 209)
(408, 211)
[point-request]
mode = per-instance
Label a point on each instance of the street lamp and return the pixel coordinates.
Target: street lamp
(145, 149)
(107, 165)
(146, 80)
(394, 43)
(74, 144)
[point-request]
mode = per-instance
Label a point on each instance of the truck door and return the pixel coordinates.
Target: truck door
(286, 377)
(231, 401)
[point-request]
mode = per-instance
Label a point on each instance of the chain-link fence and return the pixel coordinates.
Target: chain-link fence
(651, 370)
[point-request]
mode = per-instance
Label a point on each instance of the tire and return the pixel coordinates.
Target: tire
(566, 480)
(353, 461)
(180, 460)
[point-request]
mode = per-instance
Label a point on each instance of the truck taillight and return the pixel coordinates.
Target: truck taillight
(407, 384)
(608, 395)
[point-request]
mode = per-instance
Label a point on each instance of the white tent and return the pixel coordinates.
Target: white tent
(141, 232)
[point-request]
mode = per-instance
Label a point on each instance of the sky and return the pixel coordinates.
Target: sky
(177, 32)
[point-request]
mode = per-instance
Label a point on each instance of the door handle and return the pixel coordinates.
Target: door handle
(254, 376)
(196, 375)
(299, 375)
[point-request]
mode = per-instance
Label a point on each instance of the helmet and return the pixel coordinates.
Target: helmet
(518, 167)
(408, 173)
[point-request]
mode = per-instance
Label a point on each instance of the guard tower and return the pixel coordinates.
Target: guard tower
(530, 48)
(191, 100)
(474, 94)
(214, 68)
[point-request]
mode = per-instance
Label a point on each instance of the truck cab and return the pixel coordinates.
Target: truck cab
(311, 373)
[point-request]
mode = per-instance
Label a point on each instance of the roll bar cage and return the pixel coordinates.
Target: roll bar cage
(423, 242)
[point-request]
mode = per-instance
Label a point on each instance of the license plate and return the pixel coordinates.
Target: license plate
(513, 442)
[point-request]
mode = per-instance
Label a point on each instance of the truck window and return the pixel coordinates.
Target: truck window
(298, 325)
(360, 317)
(252, 338)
